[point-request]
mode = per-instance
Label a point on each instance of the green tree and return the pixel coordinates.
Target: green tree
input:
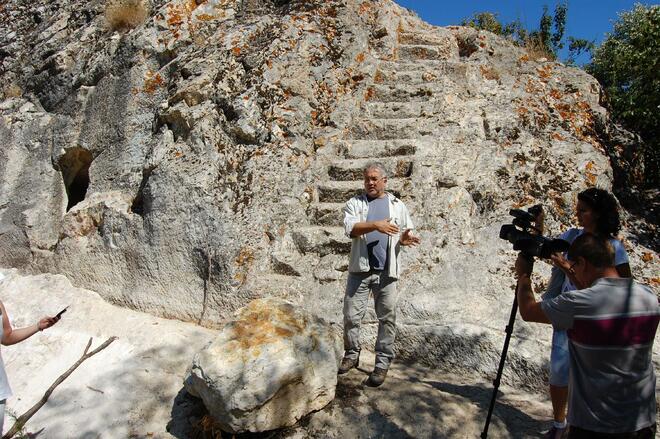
(559, 21)
(627, 64)
(577, 46)
(549, 38)
(489, 21)
(484, 21)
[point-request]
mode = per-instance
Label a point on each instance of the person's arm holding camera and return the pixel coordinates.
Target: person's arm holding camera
(559, 261)
(12, 336)
(530, 309)
(539, 218)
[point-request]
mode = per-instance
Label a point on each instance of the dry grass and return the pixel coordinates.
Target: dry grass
(490, 72)
(536, 50)
(126, 14)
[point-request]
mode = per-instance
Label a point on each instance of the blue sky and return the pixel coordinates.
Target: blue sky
(589, 19)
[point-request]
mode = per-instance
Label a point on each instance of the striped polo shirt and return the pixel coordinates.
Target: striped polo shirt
(611, 327)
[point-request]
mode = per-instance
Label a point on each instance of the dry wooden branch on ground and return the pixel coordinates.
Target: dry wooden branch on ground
(21, 420)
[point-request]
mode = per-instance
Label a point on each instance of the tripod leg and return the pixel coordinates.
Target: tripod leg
(496, 381)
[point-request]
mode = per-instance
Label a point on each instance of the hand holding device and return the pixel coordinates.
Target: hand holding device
(59, 314)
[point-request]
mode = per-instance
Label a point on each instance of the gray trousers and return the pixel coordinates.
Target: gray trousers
(355, 306)
(3, 403)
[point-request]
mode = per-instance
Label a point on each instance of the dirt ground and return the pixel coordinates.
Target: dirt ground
(414, 402)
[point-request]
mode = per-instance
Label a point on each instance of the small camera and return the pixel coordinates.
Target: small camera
(519, 233)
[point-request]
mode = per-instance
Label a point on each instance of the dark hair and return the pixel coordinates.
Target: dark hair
(606, 209)
(595, 249)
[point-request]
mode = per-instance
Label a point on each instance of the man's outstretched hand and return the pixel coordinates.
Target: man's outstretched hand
(407, 238)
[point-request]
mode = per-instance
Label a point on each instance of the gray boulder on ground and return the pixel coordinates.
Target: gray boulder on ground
(266, 369)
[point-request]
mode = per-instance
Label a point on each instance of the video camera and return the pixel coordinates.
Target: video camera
(519, 233)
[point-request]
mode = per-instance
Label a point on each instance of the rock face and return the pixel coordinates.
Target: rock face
(200, 160)
(267, 368)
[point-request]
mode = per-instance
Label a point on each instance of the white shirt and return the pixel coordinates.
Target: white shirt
(356, 211)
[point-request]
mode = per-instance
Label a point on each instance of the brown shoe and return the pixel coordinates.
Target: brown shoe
(377, 377)
(348, 364)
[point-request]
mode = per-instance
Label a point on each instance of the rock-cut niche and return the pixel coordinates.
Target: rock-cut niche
(75, 173)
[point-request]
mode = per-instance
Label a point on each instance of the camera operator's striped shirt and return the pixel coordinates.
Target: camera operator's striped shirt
(611, 327)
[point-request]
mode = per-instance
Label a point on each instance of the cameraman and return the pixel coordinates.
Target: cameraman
(611, 324)
(597, 213)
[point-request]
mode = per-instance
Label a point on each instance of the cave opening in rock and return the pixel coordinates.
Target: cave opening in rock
(75, 173)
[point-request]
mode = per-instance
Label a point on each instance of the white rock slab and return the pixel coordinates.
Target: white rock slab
(126, 390)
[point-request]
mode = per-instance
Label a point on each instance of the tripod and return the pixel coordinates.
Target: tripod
(496, 381)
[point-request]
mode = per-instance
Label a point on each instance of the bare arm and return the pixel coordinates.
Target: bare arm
(539, 222)
(530, 309)
(564, 265)
(12, 336)
(383, 226)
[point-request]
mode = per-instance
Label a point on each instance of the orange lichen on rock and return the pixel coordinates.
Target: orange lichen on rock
(244, 261)
(558, 202)
(245, 257)
(179, 13)
(260, 323)
(152, 81)
(524, 201)
(490, 73)
(369, 94)
(545, 72)
(533, 86)
(591, 174)
(365, 7)
(556, 94)
(205, 17)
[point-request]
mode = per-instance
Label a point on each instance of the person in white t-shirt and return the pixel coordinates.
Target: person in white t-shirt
(598, 214)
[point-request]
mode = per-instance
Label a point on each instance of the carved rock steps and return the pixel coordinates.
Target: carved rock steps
(340, 191)
(366, 148)
(389, 129)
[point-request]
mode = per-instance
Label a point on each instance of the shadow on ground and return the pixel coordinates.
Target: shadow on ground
(414, 402)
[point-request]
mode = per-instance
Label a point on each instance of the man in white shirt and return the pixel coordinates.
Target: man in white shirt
(374, 220)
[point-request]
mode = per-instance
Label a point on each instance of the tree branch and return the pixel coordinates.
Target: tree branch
(21, 420)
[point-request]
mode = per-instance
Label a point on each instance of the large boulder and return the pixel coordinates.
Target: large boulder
(267, 368)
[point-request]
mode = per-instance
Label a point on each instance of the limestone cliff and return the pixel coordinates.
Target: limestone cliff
(189, 163)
